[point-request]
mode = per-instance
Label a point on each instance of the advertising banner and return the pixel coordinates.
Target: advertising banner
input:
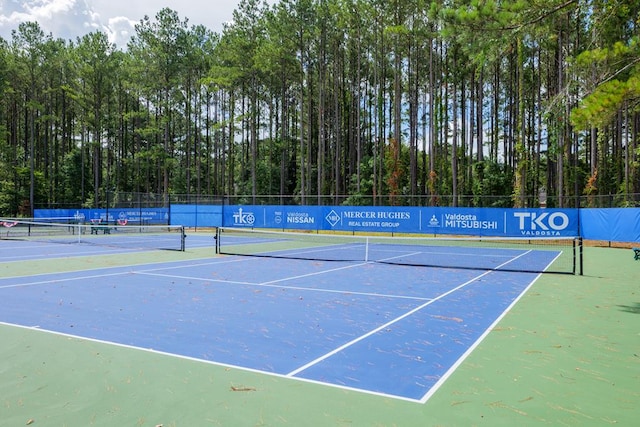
(502, 222)
(371, 219)
(428, 220)
(284, 217)
(128, 215)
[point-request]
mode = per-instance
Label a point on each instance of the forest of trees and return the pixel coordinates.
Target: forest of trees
(377, 102)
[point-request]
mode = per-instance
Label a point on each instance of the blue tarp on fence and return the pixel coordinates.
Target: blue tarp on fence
(196, 215)
(612, 225)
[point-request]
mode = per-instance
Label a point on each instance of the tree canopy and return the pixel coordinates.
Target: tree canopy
(465, 102)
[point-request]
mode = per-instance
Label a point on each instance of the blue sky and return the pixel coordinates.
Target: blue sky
(69, 19)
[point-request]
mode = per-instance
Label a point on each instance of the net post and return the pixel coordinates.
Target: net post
(183, 238)
(216, 237)
(580, 255)
(573, 253)
(366, 249)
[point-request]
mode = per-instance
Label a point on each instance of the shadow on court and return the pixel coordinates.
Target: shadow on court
(633, 308)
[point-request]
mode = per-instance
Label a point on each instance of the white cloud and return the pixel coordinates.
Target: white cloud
(65, 19)
(69, 19)
(120, 29)
(46, 9)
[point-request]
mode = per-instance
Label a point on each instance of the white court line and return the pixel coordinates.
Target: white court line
(176, 267)
(473, 346)
(294, 253)
(465, 254)
(194, 279)
(278, 283)
(209, 362)
(388, 324)
(65, 279)
(142, 272)
(382, 327)
(116, 267)
(57, 255)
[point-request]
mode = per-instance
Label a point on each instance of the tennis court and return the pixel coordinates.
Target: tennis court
(367, 331)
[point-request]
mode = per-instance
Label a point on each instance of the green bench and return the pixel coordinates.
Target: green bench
(104, 228)
(636, 253)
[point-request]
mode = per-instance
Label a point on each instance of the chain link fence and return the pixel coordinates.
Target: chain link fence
(151, 200)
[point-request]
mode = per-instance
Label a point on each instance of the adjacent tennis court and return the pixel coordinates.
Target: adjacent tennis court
(341, 313)
(31, 240)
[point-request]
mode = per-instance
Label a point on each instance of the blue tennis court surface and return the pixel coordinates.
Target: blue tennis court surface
(392, 330)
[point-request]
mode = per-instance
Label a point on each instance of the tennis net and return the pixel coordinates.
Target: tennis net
(535, 255)
(142, 237)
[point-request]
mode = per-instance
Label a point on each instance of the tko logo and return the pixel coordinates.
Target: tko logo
(242, 218)
(545, 221)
